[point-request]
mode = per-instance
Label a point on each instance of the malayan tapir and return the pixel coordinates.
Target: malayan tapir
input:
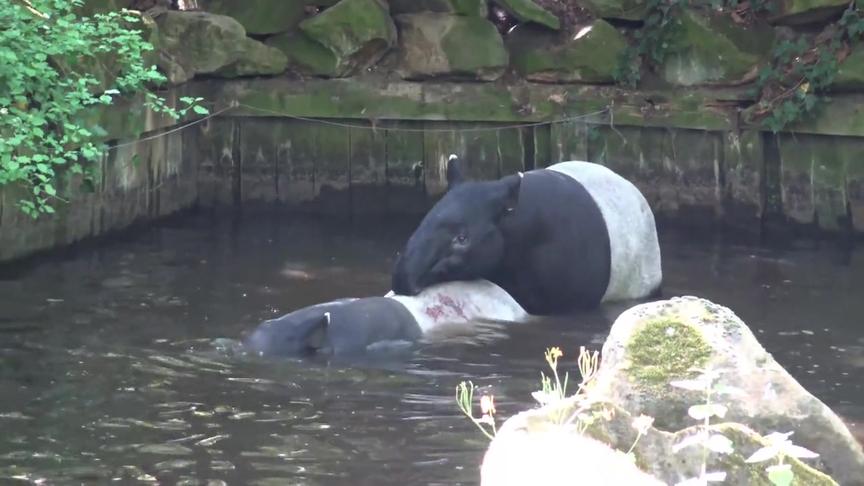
(355, 326)
(565, 237)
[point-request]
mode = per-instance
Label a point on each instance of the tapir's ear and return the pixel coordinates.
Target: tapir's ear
(509, 195)
(317, 336)
(454, 172)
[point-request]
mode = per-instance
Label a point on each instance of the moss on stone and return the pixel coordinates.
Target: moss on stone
(261, 16)
(460, 7)
(666, 349)
(591, 57)
(745, 441)
(472, 44)
(714, 49)
(305, 55)
(357, 31)
(528, 11)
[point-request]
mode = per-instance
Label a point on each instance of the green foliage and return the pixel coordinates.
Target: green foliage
(652, 41)
(792, 86)
(47, 63)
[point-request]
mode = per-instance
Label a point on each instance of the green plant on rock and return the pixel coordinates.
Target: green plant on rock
(780, 447)
(792, 86)
(651, 42)
(55, 66)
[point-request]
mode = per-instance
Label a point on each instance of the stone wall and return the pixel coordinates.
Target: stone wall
(380, 147)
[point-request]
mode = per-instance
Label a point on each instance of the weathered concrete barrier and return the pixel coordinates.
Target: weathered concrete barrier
(377, 146)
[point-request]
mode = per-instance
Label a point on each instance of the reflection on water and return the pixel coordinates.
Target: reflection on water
(108, 368)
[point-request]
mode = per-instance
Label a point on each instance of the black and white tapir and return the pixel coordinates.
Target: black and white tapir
(356, 326)
(566, 237)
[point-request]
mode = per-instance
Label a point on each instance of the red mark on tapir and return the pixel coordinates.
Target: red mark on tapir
(452, 304)
(435, 311)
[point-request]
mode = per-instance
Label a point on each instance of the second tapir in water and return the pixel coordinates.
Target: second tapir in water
(355, 326)
(569, 236)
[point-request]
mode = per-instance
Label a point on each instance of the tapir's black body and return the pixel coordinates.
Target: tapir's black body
(541, 237)
(556, 254)
(343, 327)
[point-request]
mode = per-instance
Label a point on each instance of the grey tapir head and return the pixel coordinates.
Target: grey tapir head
(460, 238)
(347, 326)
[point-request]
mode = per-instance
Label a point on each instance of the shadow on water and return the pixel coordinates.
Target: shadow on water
(111, 367)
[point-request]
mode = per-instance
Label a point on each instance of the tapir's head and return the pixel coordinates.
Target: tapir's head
(302, 332)
(460, 238)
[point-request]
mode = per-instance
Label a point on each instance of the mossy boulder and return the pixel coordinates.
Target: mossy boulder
(713, 49)
(617, 9)
(653, 344)
(528, 11)
(591, 56)
(260, 16)
(305, 55)
(257, 59)
(191, 43)
(358, 32)
(434, 44)
(477, 8)
(800, 12)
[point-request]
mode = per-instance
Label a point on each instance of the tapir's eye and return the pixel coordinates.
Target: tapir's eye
(460, 240)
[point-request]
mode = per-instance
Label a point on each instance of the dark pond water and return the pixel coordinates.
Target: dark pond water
(108, 371)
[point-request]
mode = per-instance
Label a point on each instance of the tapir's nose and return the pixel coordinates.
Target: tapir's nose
(402, 282)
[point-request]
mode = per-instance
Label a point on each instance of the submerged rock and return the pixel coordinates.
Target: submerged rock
(713, 49)
(477, 8)
(433, 44)
(191, 43)
(260, 16)
(653, 344)
(591, 56)
(528, 11)
(358, 32)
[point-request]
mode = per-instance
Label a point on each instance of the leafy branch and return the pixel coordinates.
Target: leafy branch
(792, 86)
(54, 66)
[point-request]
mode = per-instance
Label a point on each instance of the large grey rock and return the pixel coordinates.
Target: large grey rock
(358, 32)
(653, 344)
(433, 44)
(260, 16)
(477, 8)
(191, 43)
(591, 436)
(591, 56)
(530, 450)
